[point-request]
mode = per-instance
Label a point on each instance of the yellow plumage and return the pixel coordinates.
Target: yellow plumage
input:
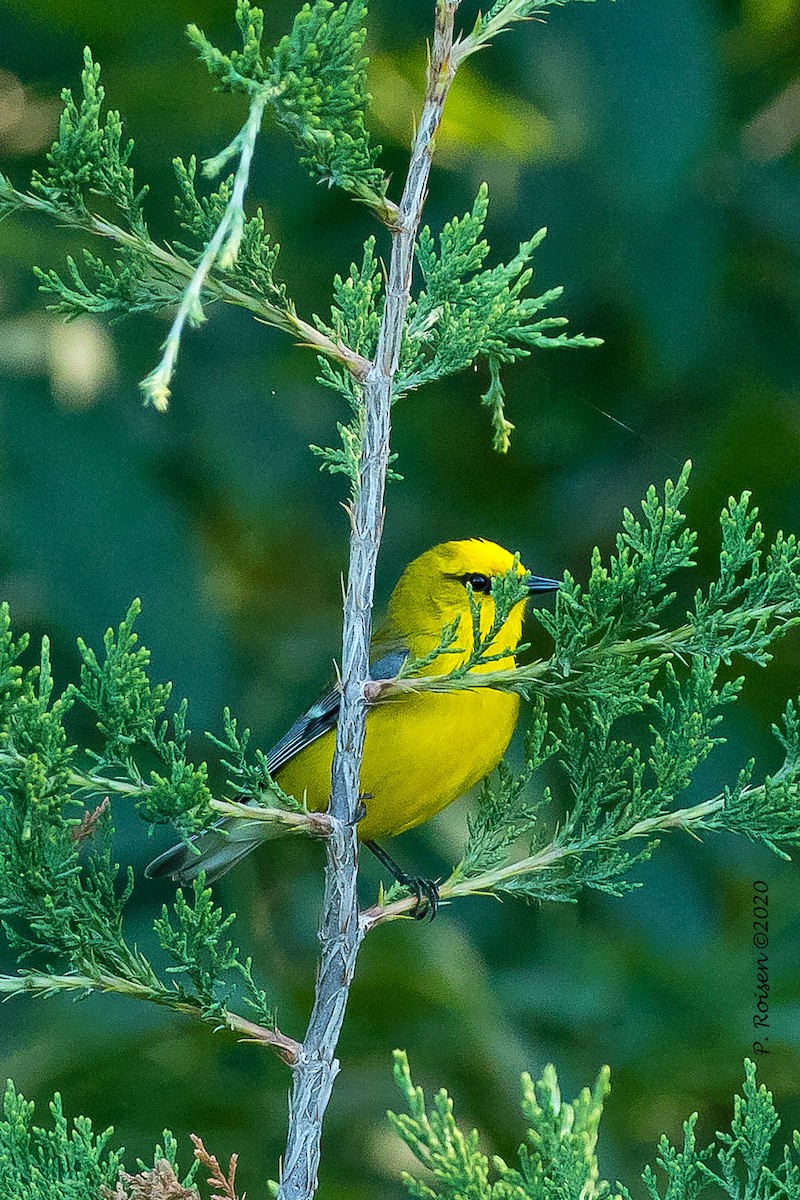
(422, 750)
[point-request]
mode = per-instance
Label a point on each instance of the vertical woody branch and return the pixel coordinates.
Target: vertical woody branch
(340, 931)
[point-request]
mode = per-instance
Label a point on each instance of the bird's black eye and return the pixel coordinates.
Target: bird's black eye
(479, 583)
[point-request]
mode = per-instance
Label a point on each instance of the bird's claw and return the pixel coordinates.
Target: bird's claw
(427, 898)
(361, 808)
(426, 891)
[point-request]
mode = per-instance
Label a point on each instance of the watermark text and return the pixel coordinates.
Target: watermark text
(761, 942)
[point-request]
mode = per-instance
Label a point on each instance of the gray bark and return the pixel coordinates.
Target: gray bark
(341, 930)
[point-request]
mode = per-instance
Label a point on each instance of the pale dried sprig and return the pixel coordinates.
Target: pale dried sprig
(226, 1184)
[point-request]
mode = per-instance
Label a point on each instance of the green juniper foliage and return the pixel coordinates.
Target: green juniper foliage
(68, 1162)
(91, 156)
(558, 1157)
(739, 1165)
(250, 779)
(62, 903)
(41, 1163)
(557, 1160)
(314, 84)
(593, 793)
(200, 216)
(502, 15)
(194, 939)
(463, 313)
(586, 808)
(466, 310)
(622, 651)
(129, 712)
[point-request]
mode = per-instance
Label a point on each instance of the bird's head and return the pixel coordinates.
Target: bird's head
(435, 589)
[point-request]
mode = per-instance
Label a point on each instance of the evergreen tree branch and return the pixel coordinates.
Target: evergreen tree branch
(547, 677)
(177, 269)
(171, 270)
(612, 636)
(612, 806)
(315, 824)
(558, 1156)
(466, 311)
(340, 929)
(315, 84)
(698, 816)
(45, 983)
(61, 899)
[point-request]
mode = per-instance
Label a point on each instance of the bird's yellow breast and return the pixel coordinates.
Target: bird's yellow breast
(425, 749)
(422, 751)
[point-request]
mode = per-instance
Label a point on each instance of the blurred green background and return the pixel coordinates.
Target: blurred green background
(659, 143)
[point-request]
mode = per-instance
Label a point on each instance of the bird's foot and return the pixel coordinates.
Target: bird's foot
(426, 891)
(427, 896)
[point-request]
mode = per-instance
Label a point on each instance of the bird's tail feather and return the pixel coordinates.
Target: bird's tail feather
(214, 852)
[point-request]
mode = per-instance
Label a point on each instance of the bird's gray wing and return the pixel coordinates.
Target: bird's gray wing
(322, 716)
(217, 850)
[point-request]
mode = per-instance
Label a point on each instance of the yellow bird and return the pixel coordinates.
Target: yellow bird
(422, 750)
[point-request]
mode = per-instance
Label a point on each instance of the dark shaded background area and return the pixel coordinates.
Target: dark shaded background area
(659, 144)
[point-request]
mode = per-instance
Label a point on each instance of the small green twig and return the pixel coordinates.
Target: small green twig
(313, 823)
(682, 818)
(44, 984)
(547, 676)
(485, 30)
(222, 250)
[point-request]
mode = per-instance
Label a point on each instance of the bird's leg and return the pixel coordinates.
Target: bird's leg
(426, 890)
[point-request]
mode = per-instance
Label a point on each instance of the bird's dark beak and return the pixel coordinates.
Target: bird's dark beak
(537, 583)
